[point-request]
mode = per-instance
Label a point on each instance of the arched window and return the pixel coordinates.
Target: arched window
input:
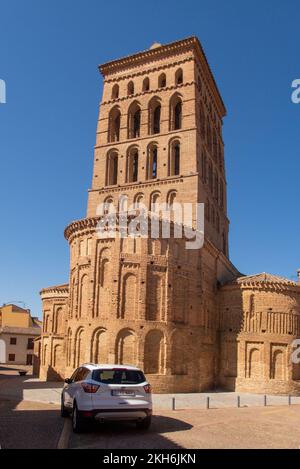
(154, 201)
(176, 112)
(146, 84)
(174, 166)
(156, 119)
(171, 199)
(154, 116)
(162, 80)
(134, 121)
(138, 201)
(112, 169)
(108, 205)
(130, 88)
(152, 162)
(178, 116)
(115, 92)
(132, 165)
(179, 77)
(114, 122)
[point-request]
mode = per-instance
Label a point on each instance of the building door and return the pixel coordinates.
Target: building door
(2, 351)
(29, 360)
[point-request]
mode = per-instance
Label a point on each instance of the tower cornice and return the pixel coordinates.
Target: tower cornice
(188, 44)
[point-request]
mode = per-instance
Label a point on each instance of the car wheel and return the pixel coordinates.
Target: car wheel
(77, 421)
(63, 411)
(144, 424)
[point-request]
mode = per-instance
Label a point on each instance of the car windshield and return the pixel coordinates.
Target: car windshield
(121, 376)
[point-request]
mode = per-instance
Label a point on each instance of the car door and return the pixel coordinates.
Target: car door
(69, 389)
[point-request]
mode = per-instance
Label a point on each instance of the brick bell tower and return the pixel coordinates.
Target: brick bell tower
(151, 302)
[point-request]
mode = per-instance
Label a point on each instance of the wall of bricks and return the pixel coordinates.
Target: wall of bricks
(151, 302)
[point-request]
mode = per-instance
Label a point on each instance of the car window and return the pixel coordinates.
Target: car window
(74, 375)
(81, 374)
(85, 373)
(115, 376)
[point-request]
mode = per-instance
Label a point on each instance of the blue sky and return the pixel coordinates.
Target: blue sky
(49, 56)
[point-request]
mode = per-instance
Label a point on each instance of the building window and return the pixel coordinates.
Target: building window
(13, 341)
(154, 202)
(112, 169)
(152, 163)
(114, 125)
(162, 81)
(156, 119)
(29, 360)
(30, 344)
(174, 168)
(175, 112)
(154, 116)
(133, 165)
(115, 92)
(11, 357)
(134, 121)
(179, 77)
(146, 84)
(178, 116)
(130, 88)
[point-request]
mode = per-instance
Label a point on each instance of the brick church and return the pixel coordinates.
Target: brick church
(188, 318)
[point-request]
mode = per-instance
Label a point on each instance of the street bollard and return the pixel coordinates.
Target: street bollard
(207, 403)
(290, 400)
(265, 400)
(173, 403)
(239, 401)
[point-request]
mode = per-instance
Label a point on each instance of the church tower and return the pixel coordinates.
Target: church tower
(151, 302)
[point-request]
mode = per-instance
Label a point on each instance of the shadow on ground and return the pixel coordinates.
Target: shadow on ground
(29, 425)
(121, 435)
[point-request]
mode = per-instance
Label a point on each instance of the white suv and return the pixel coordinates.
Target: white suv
(107, 392)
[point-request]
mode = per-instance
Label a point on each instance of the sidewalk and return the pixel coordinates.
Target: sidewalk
(31, 389)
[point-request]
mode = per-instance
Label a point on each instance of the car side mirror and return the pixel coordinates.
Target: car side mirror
(68, 381)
